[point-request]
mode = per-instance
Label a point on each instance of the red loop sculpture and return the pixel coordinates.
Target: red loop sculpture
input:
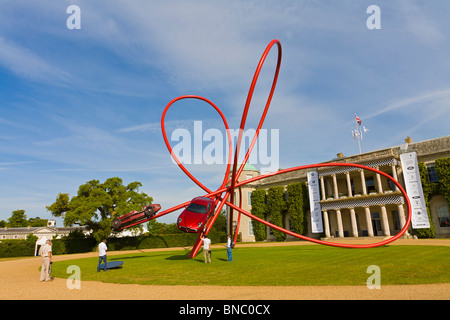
(228, 185)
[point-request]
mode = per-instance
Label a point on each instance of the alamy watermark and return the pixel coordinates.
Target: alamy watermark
(374, 281)
(74, 280)
(373, 22)
(210, 146)
(74, 20)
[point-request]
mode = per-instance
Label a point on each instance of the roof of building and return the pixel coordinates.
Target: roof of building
(247, 167)
(27, 230)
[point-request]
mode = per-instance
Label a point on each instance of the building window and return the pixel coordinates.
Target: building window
(250, 228)
(431, 173)
(443, 217)
(249, 198)
(370, 185)
(396, 219)
(325, 191)
(376, 223)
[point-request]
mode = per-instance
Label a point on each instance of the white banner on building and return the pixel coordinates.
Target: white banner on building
(314, 198)
(413, 185)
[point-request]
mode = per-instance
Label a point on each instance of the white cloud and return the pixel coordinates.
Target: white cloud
(428, 97)
(23, 62)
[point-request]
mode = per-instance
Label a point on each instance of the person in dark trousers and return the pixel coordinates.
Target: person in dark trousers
(229, 248)
(102, 248)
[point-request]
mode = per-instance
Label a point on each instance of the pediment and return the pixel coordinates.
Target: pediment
(45, 230)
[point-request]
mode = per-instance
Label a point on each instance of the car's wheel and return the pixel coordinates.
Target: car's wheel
(148, 212)
(116, 224)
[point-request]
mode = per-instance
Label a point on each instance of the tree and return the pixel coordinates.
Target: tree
(259, 209)
(97, 203)
(18, 219)
(159, 228)
(220, 225)
(37, 222)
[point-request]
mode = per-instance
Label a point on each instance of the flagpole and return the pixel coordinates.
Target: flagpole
(358, 132)
(359, 140)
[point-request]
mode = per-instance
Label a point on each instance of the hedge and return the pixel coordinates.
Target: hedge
(23, 248)
(16, 248)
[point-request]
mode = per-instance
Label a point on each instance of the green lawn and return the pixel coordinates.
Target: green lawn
(273, 266)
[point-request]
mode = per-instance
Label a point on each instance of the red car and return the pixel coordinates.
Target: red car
(193, 218)
(135, 217)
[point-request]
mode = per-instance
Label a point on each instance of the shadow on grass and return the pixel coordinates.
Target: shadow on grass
(125, 258)
(179, 257)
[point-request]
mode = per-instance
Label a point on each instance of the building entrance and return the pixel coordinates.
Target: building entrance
(376, 224)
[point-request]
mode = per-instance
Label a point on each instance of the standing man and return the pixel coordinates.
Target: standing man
(229, 248)
(46, 253)
(102, 248)
(206, 248)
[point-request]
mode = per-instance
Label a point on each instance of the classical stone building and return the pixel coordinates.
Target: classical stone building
(359, 203)
(49, 232)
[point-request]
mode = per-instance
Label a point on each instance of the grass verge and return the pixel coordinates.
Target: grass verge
(273, 266)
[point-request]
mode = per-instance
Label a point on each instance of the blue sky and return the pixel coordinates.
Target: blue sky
(85, 104)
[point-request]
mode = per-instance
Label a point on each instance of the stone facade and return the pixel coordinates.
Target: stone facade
(359, 203)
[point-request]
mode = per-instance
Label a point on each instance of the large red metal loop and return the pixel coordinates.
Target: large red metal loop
(182, 167)
(228, 185)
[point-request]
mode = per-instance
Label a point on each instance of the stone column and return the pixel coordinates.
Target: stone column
(335, 187)
(369, 221)
(322, 187)
(339, 223)
(363, 182)
(385, 221)
(401, 215)
(326, 223)
(379, 186)
(354, 225)
(349, 184)
(394, 175)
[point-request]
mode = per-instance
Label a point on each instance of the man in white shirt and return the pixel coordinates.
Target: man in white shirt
(206, 249)
(102, 248)
(46, 253)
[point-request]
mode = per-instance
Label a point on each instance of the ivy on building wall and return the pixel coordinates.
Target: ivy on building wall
(277, 202)
(443, 173)
(276, 206)
(259, 209)
(441, 187)
(297, 199)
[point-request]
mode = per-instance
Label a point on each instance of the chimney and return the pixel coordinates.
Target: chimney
(408, 140)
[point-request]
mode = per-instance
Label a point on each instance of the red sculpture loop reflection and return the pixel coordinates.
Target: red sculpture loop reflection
(228, 186)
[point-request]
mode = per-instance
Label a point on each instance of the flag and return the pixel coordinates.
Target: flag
(365, 129)
(358, 120)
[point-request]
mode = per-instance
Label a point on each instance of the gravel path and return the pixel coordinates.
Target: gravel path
(19, 279)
